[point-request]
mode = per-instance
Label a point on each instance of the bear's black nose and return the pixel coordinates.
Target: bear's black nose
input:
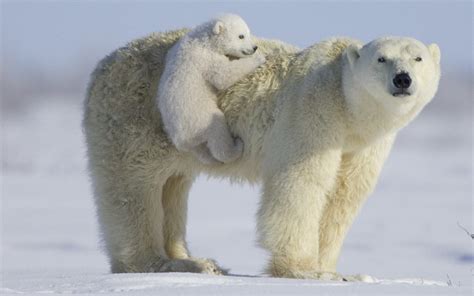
(402, 80)
(255, 48)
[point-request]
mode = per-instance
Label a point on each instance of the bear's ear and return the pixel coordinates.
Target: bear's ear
(218, 27)
(435, 52)
(352, 53)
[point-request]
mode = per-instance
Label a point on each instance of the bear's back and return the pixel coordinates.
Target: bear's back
(120, 101)
(128, 77)
(119, 108)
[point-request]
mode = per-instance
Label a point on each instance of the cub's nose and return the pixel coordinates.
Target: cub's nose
(255, 48)
(402, 80)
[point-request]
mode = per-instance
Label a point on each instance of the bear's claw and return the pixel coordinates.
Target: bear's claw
(194, 265)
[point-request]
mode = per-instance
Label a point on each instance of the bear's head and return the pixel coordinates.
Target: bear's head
(231, 37)
(401, 74)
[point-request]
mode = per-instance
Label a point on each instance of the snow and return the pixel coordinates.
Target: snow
(407, 235)
(198, 284)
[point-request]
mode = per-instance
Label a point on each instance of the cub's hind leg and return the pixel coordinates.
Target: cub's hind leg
(220, 141)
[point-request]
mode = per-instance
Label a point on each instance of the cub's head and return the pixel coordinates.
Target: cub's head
(400, 73)
(231, 36)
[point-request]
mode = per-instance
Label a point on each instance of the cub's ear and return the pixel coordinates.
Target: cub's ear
(218, 27)
(352, 53)
(435, 52)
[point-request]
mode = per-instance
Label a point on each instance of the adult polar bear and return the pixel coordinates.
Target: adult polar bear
(317, 126)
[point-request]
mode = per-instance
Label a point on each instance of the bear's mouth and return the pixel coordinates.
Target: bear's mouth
(401, 93)
(232, 58)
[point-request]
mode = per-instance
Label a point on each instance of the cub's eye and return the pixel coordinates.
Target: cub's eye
(381, 60)
(418, 59)
(241, 36)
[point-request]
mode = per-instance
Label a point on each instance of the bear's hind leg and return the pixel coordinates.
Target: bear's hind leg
(130, 215)
(132, 220)
(175, 204)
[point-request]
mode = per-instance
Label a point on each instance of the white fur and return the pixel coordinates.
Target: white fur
(198, 66)
(317, 127)
(381, 112)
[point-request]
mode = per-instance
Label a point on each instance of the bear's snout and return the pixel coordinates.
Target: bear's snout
(250, 51)
(402, 80)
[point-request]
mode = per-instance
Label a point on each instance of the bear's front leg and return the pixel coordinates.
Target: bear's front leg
(356, 180)
(294, 196)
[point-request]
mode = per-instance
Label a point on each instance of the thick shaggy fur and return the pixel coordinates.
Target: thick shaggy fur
(314, 136)
(198, 66)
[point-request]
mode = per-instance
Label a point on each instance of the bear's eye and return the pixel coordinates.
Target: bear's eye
(418, 59)
(381, 60)
(241, 36)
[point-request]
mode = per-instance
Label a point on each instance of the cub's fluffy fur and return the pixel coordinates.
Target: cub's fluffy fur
(208, 59)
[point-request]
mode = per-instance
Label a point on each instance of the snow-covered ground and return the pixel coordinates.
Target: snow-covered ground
(407, 235)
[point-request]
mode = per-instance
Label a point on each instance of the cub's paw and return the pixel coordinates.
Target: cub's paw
(229, 152)
(236, 151)
(260, 59)
(238, 147)
(203, 154)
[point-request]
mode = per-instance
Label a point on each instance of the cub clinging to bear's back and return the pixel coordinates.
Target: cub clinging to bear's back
(317, 125)
(209, 58)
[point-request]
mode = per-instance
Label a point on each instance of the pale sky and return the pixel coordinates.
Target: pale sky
(58, 35)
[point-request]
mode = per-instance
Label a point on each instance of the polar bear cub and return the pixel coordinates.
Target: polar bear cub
(210, 58)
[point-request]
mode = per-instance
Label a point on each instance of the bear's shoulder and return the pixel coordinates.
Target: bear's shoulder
(154, 41)
(326, 51)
